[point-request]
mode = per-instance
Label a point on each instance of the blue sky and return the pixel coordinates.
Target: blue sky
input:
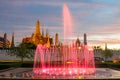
(100, 19)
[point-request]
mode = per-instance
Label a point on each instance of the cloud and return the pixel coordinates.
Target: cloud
(99, 19)
(51, 3)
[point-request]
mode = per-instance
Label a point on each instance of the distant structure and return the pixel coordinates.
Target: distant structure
(105, 46)
(39, 38)
(78, 43)
(56, 40)
(4, 42)
(12, 41)
(85, 39)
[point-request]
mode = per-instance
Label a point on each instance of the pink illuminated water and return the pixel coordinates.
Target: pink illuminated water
(67, 24)
(66, 59)
(56, 60)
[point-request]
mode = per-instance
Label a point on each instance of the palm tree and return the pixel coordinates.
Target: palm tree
(97, 48)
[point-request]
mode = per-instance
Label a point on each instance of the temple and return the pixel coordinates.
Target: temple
(39, 38)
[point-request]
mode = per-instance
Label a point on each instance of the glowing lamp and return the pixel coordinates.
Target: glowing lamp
(44, 70)
(79, 48)
(69, 62)
(70, 72)
(80, 77)
(75, 71)
(115, 60)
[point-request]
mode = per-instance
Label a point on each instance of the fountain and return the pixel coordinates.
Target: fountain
(65, 60)
(67, 22)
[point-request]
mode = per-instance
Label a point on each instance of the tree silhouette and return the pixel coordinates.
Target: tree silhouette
(21, 52)
(107, 54)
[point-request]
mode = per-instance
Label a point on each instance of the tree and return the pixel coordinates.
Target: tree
(29, 45)
(21, 51)
(98, 48)
(107, 54)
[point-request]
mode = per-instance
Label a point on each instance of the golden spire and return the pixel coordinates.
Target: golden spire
(43, 31)
(37, 27)
(12, 40)
(56, 40)
(52, 42)
(48, 43)
(37, 35)
(47, 33)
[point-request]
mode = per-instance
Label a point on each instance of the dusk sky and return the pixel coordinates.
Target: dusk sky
(99, 19)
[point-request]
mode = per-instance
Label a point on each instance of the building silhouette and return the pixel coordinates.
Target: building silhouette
(12, 41)
(78, 43)
(38, 37)
(85, 39)
(56, 39)
(4, 42)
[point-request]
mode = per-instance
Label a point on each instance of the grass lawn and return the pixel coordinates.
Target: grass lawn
(4, 64)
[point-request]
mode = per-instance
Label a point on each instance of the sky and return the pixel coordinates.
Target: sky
(99, 19)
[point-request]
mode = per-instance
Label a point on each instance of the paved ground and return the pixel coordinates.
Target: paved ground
(101, 73)
(12, 72)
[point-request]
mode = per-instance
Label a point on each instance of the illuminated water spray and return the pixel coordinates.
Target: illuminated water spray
(67, 24)
(67, 59)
